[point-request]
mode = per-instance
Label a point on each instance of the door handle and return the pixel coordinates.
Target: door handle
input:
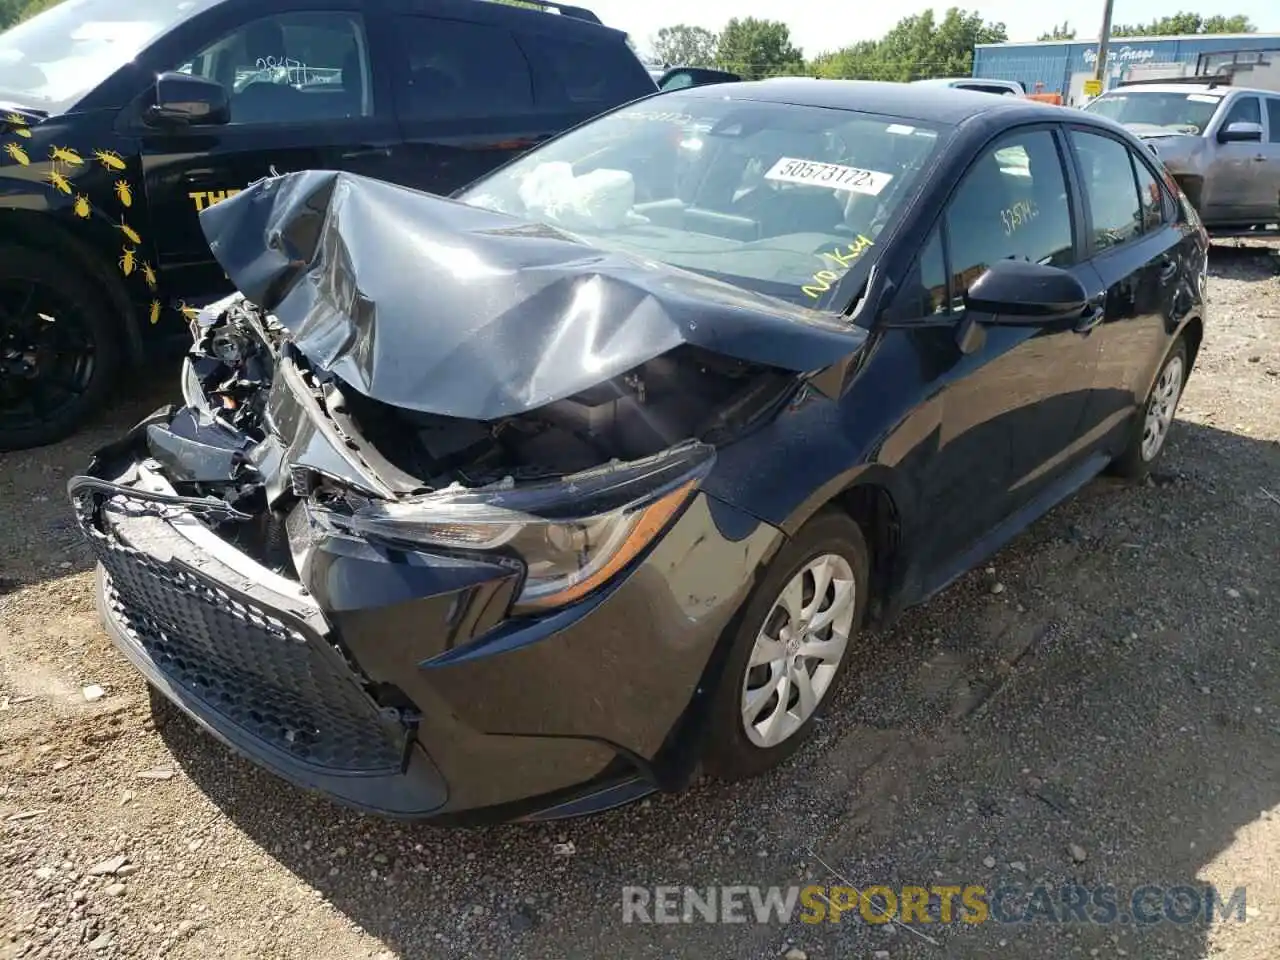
(1259, 159)
(366, 152)
(1168, 268)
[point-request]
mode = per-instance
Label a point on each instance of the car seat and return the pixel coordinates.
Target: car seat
(262, 101)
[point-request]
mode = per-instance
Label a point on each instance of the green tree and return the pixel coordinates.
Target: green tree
(685, 46)
(1184, 23)
(10, 10)
(754, 49)
(36, 6)
(916, 48)
(1063, 32)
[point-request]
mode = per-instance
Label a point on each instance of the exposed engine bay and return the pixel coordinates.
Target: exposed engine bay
(211, 447)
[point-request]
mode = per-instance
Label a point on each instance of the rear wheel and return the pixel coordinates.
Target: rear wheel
(1155, 420)
(792, 648)
(59, 349)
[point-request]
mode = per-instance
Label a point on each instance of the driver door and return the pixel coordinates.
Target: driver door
(1010, 411)
(1236, 190)
(304, 94)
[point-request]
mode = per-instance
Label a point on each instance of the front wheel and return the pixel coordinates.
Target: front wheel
(59, 349)
(1151, 429)
(791, 649)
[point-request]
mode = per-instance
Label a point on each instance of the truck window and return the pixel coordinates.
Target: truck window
(450, 69)
(1244, 110)
(298, 66)
(594, 75)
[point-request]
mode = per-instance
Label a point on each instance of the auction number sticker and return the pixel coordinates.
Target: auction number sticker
(832, 175)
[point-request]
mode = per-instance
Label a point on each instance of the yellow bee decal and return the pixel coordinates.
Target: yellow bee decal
(191, 313)
(154, 315)
(15, 151)
(110, 159)
(124, 193)
(81, 206)
(65, 155)
(59, 182)
(129, 232)
(148, 274)
(19, 123)
(127, 261)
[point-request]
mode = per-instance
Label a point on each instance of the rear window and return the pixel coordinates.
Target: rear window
(450, 69)
(595, 75)
(781, 199)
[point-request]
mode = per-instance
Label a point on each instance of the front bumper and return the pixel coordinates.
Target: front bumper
(395, 684)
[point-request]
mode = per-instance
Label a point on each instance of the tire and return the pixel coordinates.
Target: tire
(1139, 456)
(733, 754)
(77, 357)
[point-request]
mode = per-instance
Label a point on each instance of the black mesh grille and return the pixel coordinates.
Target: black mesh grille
(264, 675)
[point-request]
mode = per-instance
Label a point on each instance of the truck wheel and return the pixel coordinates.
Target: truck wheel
(59, 349)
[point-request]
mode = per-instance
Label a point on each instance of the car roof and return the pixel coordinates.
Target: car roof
(538, 14)
(1220, 89)
(927, 103)
(949, 81)
(1169, 88)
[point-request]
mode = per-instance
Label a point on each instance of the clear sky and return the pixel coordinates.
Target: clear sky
(818, 25)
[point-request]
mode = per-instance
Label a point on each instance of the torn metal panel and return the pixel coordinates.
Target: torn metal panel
(435, 306)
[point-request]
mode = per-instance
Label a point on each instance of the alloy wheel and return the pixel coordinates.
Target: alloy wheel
(47, 355)
(798, 650)
(1161, 407)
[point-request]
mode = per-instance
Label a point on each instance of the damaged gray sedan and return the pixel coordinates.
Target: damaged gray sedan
(526, 503)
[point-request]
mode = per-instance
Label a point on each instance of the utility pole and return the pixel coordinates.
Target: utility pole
(1104, 42)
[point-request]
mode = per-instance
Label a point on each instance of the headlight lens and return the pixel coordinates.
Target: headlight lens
(573, 535)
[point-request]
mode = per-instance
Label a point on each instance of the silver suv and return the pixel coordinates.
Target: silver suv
(1221, 143)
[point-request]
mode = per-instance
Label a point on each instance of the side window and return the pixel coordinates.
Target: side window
(1109, 187)
(1011, 205)
(594, 75)
(1273, 118)
(1244, 110)
(450, 69)
(292, 67)
(1153, 202)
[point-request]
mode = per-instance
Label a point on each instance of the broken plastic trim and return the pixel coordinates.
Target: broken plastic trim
(572, 534)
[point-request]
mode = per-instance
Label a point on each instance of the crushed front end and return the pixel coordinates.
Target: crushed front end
(424, 615)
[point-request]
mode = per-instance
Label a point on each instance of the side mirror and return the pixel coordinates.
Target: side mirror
(677, 78)
(183, 100)
(1018, 292)
(1240, 132)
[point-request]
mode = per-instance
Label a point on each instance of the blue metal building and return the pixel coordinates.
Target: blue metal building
(1056, 66)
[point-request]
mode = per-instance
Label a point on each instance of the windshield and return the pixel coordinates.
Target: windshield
(1174, 112)
(58, 56)
(777, 198)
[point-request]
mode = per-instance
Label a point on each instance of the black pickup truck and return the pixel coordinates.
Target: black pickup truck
(120, 122)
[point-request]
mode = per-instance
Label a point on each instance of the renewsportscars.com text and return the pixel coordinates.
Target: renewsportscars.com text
(936, 904)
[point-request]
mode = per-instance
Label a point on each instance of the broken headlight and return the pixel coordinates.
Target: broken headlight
(573, 534)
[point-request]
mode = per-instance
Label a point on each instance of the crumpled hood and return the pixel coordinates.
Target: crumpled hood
(433, 305)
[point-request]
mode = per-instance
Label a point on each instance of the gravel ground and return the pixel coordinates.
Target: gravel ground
(1098, 706)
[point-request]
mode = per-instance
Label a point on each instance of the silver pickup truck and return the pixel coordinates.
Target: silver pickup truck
(1221, 143)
